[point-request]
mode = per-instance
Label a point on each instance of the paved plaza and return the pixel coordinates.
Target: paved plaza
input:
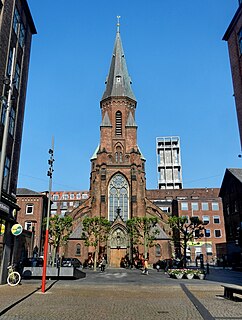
(123, 294)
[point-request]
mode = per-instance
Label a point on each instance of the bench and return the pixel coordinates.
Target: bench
(230, 290)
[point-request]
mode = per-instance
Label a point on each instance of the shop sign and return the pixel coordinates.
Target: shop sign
(4, 207)
(16, 229)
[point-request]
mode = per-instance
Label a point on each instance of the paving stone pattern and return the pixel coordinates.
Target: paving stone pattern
(120, 294)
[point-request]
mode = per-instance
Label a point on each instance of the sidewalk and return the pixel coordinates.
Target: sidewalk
(125, 295)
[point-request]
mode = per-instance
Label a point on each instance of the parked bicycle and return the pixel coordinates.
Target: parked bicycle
(14, 277)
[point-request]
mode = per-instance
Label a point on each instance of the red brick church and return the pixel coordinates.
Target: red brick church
(117, 180)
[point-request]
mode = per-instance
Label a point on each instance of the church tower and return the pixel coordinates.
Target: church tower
(117, 170)
(117, 180)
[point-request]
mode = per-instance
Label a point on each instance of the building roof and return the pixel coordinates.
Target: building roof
(118, 82)
(196, 193)
(232, 23)
(27, 192)
(236, 172)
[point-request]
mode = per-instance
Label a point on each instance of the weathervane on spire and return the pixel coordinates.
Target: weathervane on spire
(118, 23)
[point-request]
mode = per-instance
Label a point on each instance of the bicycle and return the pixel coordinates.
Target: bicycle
(14, 277)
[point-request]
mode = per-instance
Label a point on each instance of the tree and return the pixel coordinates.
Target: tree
(95, 231)
(142, 231)
(59, 231)
(184, 230)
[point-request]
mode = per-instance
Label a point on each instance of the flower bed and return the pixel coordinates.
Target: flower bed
(186, 273)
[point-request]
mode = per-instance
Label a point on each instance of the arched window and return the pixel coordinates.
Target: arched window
(118, 193)
(78, 249)
(118, 155)
(118, 130)
(157, 250)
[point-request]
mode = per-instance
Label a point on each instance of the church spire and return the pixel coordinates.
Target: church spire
(118, 82)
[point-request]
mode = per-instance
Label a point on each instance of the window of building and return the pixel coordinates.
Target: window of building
(215, 206)
(84, 196)
(16, 20)
(78, 249)
(157, 250)
(118, 197)
(240, 40)
(28, 225)
(63, 212)
(12, 117)
(194, 206)
(204, 206)
(17, 76)
(217, 233)
(216, 219)
(21, 35)
(72, 196)
(118, 129)
(54, 205)
(6, 172)
(207, 233)
(65, 196)
(10, 59)
(206, 219)
(78, 196)
(29, 209)
(184, 205)
(4, 109)
(55, 197)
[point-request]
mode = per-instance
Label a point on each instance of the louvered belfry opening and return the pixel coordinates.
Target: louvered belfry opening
(118, 130)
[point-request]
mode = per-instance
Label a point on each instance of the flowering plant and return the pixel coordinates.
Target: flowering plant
(173, 272)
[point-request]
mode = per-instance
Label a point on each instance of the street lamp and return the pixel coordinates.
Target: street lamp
(49, 174)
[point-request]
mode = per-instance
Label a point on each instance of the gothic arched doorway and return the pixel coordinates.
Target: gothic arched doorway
(118, 246)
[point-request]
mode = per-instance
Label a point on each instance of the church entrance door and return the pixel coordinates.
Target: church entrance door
(115, 257)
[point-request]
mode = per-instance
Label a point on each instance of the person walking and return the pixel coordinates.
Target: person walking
(103, 264)
(145, 267)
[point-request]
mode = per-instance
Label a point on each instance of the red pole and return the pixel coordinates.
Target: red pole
(45, 260)
(49, 174)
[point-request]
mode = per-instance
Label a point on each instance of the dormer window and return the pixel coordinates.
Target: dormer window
(118, 79)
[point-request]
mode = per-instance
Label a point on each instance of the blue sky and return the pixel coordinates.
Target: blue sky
(181, 77)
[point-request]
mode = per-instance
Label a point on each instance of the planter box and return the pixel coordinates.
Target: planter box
(52, 272)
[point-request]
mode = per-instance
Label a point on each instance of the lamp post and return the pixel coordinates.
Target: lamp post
(46, 245)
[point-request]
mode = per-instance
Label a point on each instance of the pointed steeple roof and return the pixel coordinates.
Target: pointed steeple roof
(118, 82)
(130, 121)
(106, 121)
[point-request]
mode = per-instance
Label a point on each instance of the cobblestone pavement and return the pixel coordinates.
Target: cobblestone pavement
(123, 294)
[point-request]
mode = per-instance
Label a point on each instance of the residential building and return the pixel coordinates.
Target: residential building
(203, 203)
(169, 163)
(231, 194)
(33, 209)
(16, 30)
(64, 202)
(233, 36)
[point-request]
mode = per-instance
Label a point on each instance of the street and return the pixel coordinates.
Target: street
(123, 294)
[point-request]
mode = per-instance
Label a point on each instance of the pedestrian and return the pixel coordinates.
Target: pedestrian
(103, 264)
(145, 271)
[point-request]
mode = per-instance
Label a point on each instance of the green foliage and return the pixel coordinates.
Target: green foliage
(95, 230)
(184, 230)
(142, 231)
(59, 230)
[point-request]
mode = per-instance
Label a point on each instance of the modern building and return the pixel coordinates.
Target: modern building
(169, 163)
(33, 209)
(117, 181)
(16, 30)
(233, 36)
(231, 194)
(203, 203)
